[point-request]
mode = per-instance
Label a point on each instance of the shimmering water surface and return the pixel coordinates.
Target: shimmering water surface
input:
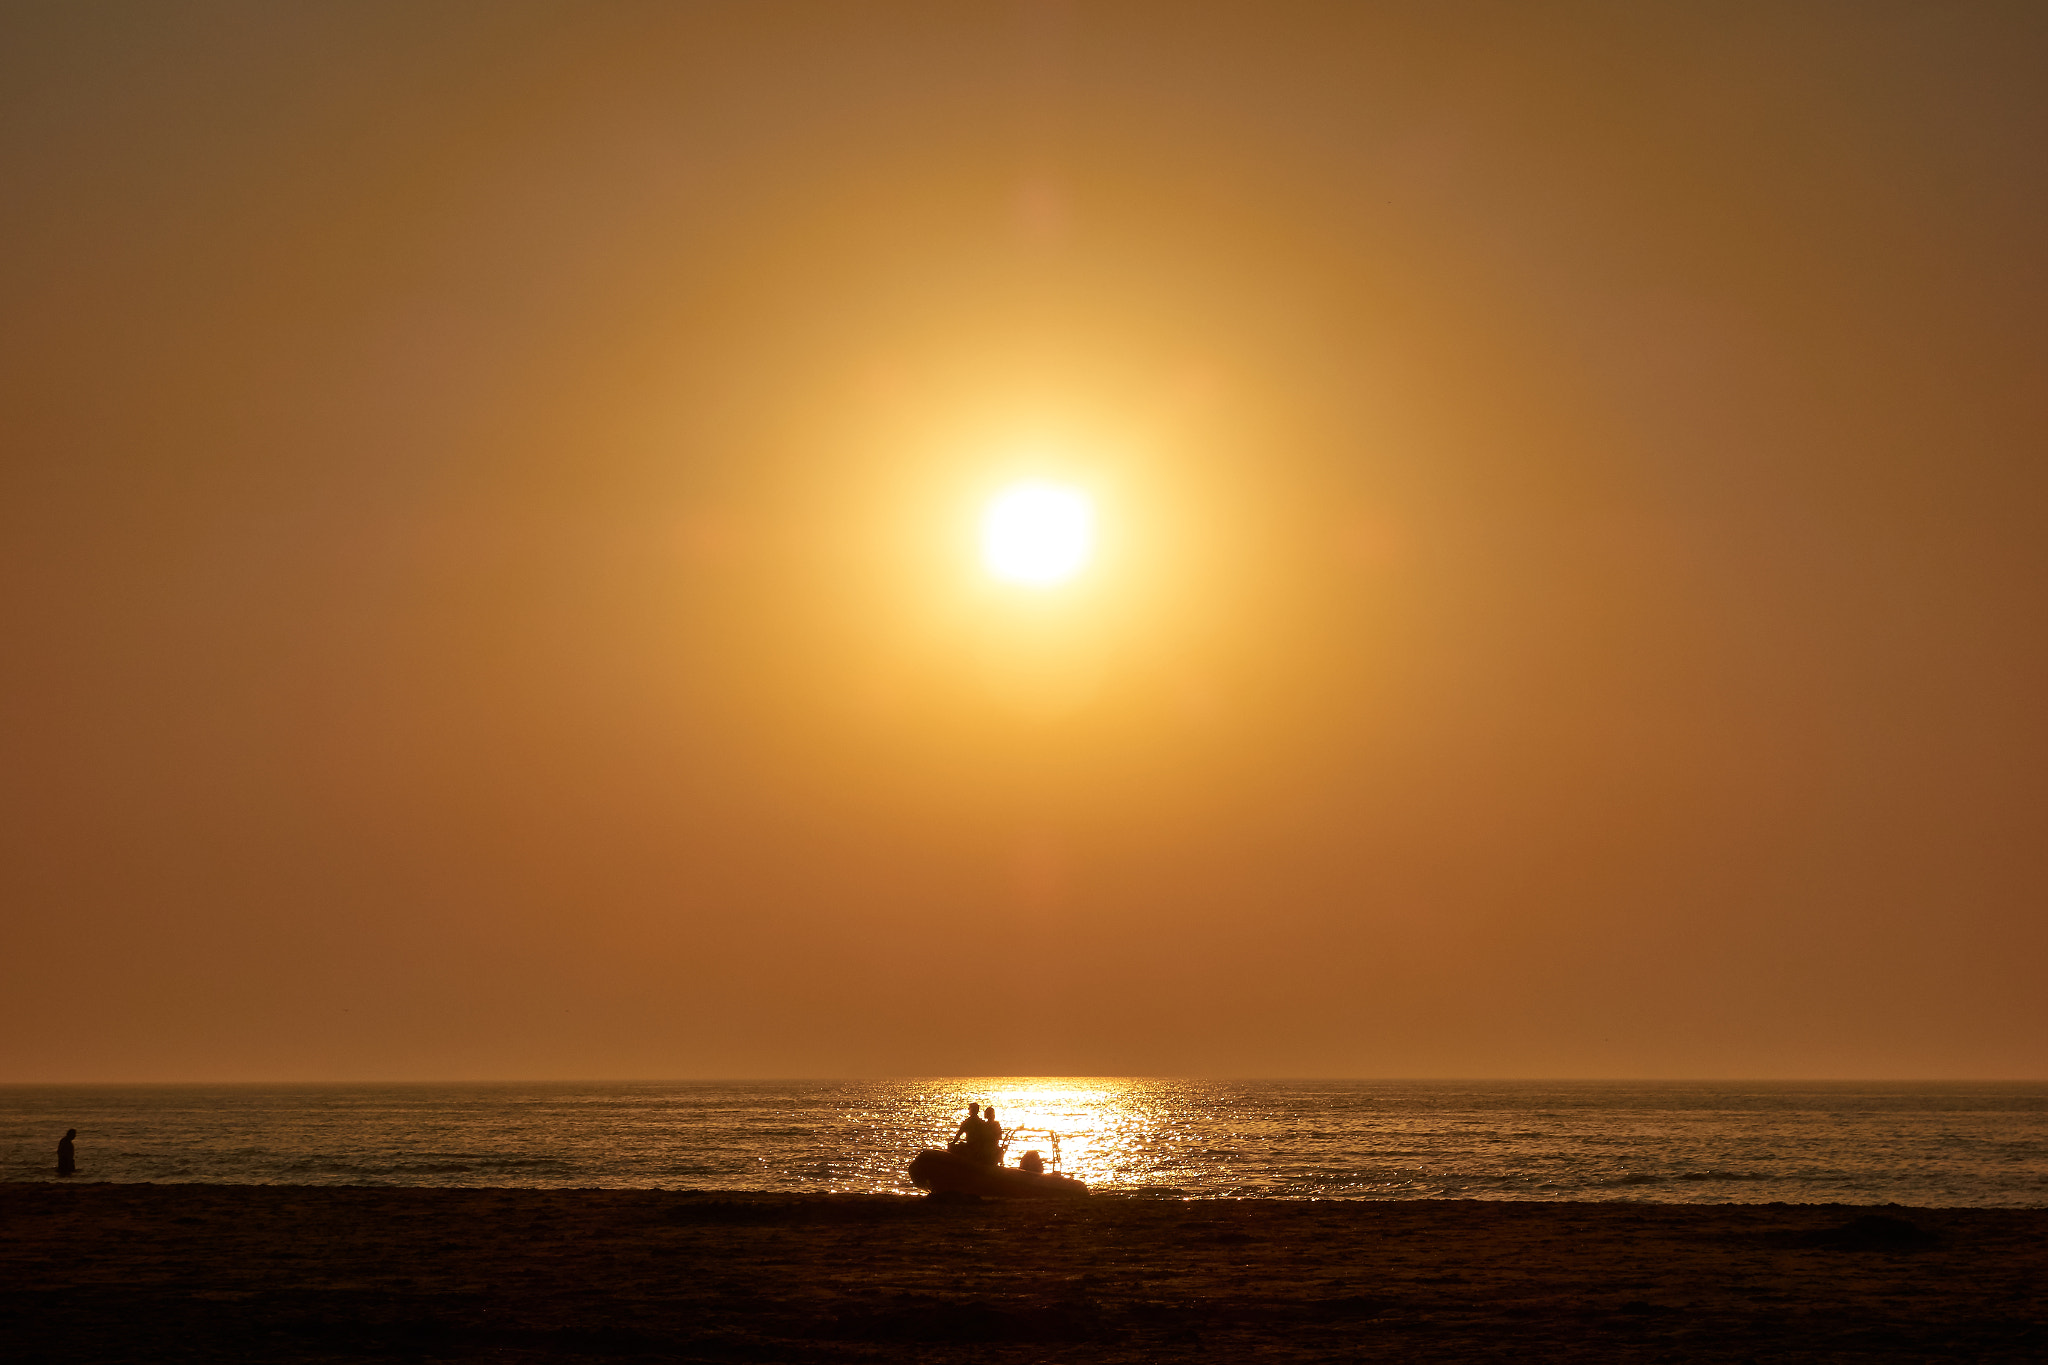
(1930, 1145)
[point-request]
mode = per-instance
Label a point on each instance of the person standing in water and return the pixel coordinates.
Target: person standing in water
(67, 1159)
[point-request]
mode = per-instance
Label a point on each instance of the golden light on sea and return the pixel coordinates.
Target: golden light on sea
(1103, 1130)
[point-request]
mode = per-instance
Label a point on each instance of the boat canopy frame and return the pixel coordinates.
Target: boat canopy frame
(1010, 1135)
(1053, 1162)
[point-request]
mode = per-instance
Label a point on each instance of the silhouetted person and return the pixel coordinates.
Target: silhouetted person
(968, 1134)
(1031, 1163)
(67, 1160)
(989, 1151)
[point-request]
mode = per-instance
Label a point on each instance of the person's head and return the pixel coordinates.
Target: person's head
(973, 1111)
(70, 1133)
(989, 1113)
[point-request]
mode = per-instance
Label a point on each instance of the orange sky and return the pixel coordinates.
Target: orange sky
(483, 590)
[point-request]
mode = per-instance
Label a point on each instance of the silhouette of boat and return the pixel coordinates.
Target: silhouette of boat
(951, 1171)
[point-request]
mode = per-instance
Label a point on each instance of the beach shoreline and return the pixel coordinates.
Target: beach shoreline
(290, 1273)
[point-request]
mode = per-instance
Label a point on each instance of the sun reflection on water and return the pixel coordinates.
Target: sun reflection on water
(1102, 1124)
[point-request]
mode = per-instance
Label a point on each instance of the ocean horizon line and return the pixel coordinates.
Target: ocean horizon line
(904, 1077)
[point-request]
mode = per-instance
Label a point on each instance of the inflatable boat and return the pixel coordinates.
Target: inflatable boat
(952, 1172)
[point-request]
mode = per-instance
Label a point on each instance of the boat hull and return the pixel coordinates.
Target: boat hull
(949, 1173)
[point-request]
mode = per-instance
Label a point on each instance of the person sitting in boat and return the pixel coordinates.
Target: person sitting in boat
(968, 1134)
(1031, 1163)
(988, 1150)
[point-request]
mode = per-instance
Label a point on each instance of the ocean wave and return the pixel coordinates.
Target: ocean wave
(430, 1165)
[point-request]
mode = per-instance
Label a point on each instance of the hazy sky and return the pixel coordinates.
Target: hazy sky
(483, 587)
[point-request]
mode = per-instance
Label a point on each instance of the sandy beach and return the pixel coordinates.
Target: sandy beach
(98, 1272)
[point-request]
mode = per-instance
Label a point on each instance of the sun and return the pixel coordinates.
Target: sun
(1038, 534)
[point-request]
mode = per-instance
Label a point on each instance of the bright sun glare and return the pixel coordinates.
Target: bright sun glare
(1038, 534)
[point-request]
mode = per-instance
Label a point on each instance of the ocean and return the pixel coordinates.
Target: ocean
(1931, 1145)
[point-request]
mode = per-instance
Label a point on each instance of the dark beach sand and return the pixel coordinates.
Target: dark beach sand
(196, 1272)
